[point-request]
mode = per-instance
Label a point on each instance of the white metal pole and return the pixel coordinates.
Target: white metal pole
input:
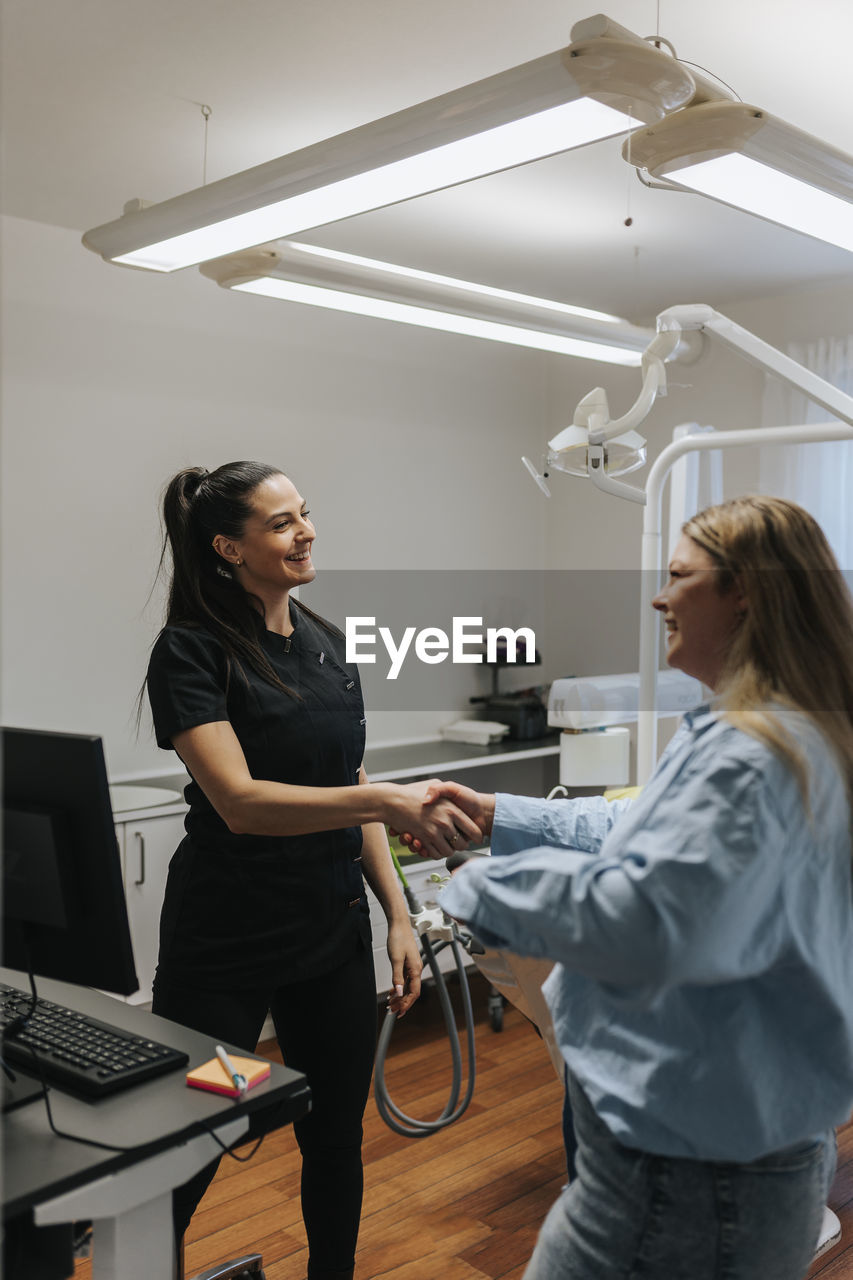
(651, 552)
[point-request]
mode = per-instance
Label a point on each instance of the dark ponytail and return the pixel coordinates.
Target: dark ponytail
(197, 505)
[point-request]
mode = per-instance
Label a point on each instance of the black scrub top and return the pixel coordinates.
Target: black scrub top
(246, 911)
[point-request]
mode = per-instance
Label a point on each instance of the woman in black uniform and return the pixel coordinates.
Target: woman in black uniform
(265, 908)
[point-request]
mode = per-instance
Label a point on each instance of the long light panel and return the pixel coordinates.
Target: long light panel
(453, 283)
(606, 83)
(743, 157)
(294, 272)
(558, 129)
(403, 313)
(748, 184)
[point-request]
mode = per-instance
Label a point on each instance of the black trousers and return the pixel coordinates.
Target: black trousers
(326, 1028)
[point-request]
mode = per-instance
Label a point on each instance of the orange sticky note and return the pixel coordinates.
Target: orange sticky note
(213, 1076)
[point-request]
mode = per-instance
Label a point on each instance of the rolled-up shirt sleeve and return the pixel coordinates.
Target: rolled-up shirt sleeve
(692, 895)
(522, 822)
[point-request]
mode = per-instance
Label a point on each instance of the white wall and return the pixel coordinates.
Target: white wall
(824, 310)
(406, 443)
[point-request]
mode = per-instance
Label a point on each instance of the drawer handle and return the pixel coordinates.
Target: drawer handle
(141, 840)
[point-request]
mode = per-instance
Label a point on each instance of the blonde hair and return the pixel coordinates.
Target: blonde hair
(794, 644)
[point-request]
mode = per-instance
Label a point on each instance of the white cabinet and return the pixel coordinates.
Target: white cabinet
(147, 845)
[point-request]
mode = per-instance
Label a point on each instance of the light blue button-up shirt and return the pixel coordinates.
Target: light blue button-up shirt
(703, 994)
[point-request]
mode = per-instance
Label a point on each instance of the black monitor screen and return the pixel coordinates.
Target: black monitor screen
(64, 912)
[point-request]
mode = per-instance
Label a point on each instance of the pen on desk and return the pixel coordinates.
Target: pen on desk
(239, 1082)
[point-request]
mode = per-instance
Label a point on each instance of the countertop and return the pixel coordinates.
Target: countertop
(383, 764)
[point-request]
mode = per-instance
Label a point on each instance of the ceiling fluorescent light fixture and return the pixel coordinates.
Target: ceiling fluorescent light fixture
(450, 282)
(607, 82)
(294, 272)
(745, 158)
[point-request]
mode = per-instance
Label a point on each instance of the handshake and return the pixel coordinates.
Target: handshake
(436, 819)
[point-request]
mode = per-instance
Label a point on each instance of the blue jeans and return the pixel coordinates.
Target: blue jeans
(633, 1216)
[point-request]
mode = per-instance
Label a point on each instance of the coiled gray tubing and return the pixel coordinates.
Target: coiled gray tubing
(394, 1117)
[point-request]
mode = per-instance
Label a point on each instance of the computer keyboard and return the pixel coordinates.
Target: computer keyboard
(79, 1053)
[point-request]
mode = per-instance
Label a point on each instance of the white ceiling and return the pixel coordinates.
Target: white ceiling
(100, 104)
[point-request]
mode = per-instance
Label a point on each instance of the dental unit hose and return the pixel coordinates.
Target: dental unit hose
(427, 922)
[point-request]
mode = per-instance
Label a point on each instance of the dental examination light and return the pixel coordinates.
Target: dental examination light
(597, 446)
(673, 327)
(306, 273)
(623, 450)
(541, 480)
(743, 157)
(605, 83)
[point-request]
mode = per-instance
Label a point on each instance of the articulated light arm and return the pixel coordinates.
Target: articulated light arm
(594, 437)
(684, 319)
(672, 342)
(593, 413)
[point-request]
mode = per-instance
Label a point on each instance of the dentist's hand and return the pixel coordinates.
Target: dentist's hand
(478, 806)
(406, 966)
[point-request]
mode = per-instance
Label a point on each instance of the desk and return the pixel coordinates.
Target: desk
(128, 1194)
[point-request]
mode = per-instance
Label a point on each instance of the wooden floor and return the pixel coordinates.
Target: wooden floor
(837, 1263)
(463, 1204)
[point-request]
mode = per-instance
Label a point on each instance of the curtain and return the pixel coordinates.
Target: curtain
(817, 476)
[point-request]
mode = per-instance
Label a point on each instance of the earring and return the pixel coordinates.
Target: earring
(238, 563)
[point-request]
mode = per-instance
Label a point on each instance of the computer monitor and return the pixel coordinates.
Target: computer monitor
(64, 910)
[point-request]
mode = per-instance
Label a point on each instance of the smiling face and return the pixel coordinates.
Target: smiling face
(700, 619)
(274, 553)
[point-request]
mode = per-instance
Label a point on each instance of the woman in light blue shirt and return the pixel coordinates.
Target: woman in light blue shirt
(703, 933)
